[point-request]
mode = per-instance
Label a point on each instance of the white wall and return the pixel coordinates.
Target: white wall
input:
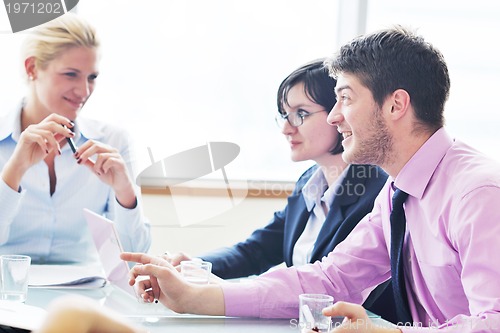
(225, 229)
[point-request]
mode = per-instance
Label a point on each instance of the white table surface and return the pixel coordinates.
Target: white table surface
(157, 318)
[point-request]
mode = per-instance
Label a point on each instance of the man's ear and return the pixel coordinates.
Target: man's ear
(400, 103)
(30, 68)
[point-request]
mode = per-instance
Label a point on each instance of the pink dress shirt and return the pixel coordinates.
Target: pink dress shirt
(452, 240)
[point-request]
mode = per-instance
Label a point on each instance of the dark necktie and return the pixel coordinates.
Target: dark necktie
(398, 225)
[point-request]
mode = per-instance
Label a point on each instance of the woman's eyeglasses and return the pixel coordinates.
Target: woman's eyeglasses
(295, 119)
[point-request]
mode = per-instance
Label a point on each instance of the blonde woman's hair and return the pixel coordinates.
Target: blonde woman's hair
(48, 41)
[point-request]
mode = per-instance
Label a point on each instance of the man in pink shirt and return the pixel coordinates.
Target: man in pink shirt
(391, 90)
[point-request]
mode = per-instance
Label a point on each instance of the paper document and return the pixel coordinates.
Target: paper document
(66, 276)
(15, 315)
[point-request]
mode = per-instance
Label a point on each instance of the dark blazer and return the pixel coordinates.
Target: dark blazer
(273, 244)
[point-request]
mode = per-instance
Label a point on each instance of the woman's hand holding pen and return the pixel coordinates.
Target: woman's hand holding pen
(176, 258)
(36, 143)
(110, 167)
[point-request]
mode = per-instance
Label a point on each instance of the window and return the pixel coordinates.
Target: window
(466, 33)
(182, 73)
(179, 74)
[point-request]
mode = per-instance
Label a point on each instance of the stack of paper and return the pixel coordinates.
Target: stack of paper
(66, 276)
(20, 315)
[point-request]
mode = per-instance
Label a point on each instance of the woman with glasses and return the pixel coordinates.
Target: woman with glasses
(54, 162)
(329, 199)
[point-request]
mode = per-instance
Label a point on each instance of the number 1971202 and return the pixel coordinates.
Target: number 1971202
(34, 8)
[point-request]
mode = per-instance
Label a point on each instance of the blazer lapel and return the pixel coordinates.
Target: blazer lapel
(346, 196)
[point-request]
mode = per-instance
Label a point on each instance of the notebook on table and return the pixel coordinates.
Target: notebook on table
(66, 276)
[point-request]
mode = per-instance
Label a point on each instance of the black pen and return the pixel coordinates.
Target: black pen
(71, 143)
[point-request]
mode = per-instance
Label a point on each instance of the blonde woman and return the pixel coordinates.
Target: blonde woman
(44, 184)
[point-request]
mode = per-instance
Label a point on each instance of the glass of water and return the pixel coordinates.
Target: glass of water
(310, 312)
(196, 271)
(14, 277)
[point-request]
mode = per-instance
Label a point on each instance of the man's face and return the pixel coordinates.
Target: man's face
(367, 139)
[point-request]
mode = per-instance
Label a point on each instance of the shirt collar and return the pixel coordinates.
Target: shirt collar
(314, 190)
(10, 124)
(417, 172)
